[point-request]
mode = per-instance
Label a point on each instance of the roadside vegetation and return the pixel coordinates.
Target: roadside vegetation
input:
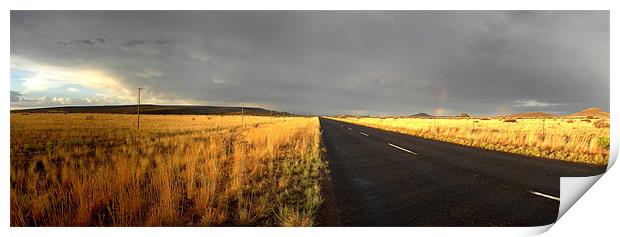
(177, 170)
(584, 140)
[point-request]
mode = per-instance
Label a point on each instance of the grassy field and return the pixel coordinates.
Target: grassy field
(570, 139)
(178, 170)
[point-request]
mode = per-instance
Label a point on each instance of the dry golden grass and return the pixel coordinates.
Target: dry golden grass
(178, 170)
(574, 140)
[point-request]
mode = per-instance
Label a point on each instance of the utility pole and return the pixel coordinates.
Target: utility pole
(139, 90)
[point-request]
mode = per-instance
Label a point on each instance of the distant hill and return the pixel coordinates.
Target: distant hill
(594, 111)
(152, 109)
(531, 115)
(421, 115)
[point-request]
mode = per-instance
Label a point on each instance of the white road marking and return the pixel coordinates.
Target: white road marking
(545, 195)
(349, 128)
(364, 134)
(403, 149)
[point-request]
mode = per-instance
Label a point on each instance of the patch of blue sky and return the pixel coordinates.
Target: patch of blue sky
(17, 78)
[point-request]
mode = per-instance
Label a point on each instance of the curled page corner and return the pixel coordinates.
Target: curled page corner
(572, 188)
(613, 154)
(532, 231)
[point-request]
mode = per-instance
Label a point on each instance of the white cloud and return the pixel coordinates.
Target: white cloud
(60, 100)
(49, 101)
(532, 103)
(46, 76)
(72, 89)
(199, 57)
(218, 81)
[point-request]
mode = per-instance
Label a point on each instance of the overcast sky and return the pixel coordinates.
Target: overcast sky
(367, 62)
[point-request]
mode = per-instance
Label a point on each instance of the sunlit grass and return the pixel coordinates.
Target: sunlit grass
(178, 170)
(577, 140)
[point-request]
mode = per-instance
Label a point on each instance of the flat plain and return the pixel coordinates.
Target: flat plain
(177, 170)
(583, 140)
(97, 169)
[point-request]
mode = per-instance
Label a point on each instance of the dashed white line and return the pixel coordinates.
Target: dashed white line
(403, 149)
(349, 128)
(545, 195)
(364, 134)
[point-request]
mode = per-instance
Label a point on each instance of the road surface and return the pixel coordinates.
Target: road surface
(381, 178)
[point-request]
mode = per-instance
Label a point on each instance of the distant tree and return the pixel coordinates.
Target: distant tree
(464, 115)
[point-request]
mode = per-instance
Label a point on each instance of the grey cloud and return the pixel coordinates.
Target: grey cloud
(16, 96)
(81, 42)
(533, 103)
(400, 62)
(137, 42)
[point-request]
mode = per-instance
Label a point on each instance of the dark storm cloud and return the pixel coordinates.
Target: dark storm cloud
(340, 62)
(80, 42)
(137, 42)
(77, 42)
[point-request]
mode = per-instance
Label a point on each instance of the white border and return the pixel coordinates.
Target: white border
(582, 220)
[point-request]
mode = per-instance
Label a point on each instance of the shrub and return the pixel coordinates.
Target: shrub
(601, 124)
(28, 147)
(510, 120)
(603, 142)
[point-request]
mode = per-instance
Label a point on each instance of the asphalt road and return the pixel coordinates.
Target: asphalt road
(381, 178)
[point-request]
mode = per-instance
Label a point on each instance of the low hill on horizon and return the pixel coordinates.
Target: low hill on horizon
(153, 109)
(421, 115)
(588, 112)
(593, 111)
